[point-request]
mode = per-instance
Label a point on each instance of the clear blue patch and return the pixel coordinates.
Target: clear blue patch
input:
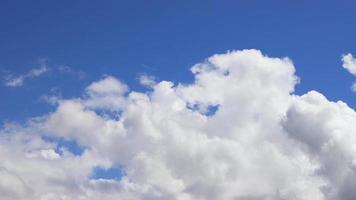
(227, 73)
(115, 115)
(71, 145)
(113, 173)
(211, 110)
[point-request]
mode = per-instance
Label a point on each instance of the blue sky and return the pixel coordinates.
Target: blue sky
(214, 138)
(164, 39)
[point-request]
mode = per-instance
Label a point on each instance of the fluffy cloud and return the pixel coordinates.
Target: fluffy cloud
(349, 63)
(262, 142)
(107, 93)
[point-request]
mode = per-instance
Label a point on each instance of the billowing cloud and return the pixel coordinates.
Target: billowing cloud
(261, 142)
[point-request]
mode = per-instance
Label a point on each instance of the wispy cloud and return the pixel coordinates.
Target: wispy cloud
(17, 81)
(349, 63)
(69, 70)
(12, 80)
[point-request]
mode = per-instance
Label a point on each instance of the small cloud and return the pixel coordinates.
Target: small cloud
(353, 87)
(65, 68)
(147, 80)
(12, 80)
(69, 70)
(38, 71)
(17, 81)
(53, 98)
(349, 63)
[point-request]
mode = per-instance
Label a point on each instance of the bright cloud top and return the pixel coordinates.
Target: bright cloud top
(262, 142)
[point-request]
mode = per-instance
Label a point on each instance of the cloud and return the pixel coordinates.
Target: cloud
(17, 81)
(69, 70)
(12, 80)
(147, 80)
(349, 63)
(107, 94)
(353, 87)
(262, 142)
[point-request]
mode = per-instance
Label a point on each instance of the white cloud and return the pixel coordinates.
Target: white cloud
(353, 87)
(147, 80)
(12, 80)
(107, 93)
(262, 143)
(349, 63)
(17, 81)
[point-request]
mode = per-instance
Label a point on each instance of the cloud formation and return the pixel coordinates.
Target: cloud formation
(12, 80)
(349, 63)
(147, 80)
(17, 81)
(262, 143)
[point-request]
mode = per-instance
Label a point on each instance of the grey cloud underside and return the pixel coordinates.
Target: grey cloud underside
(262, 143)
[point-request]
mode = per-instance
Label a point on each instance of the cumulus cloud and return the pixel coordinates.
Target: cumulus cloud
(107, 93)
(17, 81)
(263, 142)
(349, 63)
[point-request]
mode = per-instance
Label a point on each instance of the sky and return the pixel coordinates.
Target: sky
(164, 39)
(184, 100)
